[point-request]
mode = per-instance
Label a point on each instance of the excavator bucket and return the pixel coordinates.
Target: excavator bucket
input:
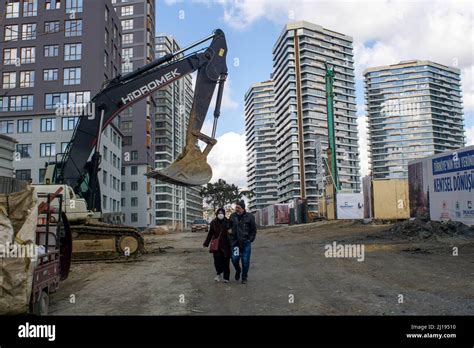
(190, 169)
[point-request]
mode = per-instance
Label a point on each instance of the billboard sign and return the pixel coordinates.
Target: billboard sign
(350, 206)
(282, 213)
(451, 191)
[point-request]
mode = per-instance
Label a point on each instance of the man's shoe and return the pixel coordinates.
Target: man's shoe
(244, 281)
(237, 276)
(217, 278)
(226, 280)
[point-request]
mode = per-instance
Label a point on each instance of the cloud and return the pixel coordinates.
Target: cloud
(228, 158)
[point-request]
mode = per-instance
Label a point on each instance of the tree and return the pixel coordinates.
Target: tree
(222, 194)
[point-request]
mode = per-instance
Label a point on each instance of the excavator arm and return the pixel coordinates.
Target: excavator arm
(79, 169)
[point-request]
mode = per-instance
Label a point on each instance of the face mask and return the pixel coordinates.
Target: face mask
(220, 216)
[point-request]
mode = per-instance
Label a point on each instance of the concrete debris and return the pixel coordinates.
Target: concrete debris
(418, 229)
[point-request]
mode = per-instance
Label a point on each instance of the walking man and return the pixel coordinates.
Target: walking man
(244, 231)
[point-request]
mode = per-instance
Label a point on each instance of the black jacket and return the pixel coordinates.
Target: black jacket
(216, 228)
(243, 227)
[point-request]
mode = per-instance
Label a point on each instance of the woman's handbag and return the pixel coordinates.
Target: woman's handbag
(214, 246)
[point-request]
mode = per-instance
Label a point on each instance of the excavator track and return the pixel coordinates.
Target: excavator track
(96, 241)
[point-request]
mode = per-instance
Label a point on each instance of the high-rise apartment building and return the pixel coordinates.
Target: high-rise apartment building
(55, 57)
(299, 58)
(175, 205)
(414, 110)
(138, 43)
(261, 145)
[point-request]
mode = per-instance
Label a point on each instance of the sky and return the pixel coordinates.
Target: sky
(384, 32)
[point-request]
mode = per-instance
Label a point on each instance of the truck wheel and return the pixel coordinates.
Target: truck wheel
(42, 305)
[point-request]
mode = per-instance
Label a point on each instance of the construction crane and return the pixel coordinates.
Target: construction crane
(77, 169)
(331, 151)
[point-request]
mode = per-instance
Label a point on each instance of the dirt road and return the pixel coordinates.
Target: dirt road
(289, 275)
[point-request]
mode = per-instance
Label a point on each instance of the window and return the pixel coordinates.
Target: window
(127, 53)
(134, 170)
(127, 126)
(115, 32)
(53, 4)
(28, 31)
(24, 126)
(106, 14)
(64, 147)
(122, 202)
(30, 8)
(11, 32)
(134, 155)
(72, 51)
(104, 201)
(127, 24)
(79, 97)
(73, 6)
(6, 127)
(51, 50)
(72, 76)
(24, 150)
(23, 174)
(51, 27)
(10, 56)
(134, 185)
(106, 59)
(127, 10)
(134, 201)
(9, 80)
(73, 28)
(53, 99)
(69, 123)
(104, 177)
(47, 149)
(127, 39)
(27, 79)
(76, 98)
(134, 217)
(127, 67)
(16, 103)
(106, 37)
(123, 186)
(13, 10)
(50, 74)
(27, 55)
(41, 174)
(48, 124)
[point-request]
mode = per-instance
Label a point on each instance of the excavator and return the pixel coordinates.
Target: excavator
(74, 174)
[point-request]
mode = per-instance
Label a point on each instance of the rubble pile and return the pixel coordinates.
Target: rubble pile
(418, 229)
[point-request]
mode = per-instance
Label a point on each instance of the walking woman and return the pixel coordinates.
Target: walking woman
(218, 242)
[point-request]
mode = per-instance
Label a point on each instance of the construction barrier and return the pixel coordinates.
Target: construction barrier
(390, 199)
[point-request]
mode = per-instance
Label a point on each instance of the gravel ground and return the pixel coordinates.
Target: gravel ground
(289, 275)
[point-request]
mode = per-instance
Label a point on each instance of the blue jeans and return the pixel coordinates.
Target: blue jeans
(244, 254)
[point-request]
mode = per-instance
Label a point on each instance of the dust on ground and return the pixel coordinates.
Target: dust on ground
(289, 275)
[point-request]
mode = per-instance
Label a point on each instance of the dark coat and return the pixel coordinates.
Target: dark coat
(243, 227)
(219, 227)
